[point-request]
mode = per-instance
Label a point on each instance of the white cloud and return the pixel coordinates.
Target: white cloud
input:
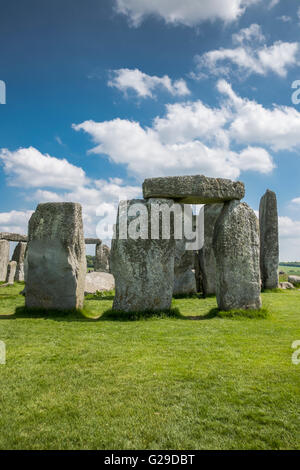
(15, 221)
(296, 201)
(249, 58)
(27, 167)
(289, 230)
(187, 12)
(278, 127)
(284, 18)
(144, 85)
(250, 34)
(176, 144)
(273, 3)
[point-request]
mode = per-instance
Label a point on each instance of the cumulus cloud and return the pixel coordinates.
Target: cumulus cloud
(144, 85)
(190, 138)
(15, 221)
(250, 34)
(289, 230)
(187, 12)
(278, 127)
(28, 167)
(250, 57)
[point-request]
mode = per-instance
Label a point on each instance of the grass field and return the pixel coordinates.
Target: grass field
(72, 382)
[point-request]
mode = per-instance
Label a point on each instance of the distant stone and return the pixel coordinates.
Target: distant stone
(184, 274)
(99, 281)
(20, 275)
(11, 271)
(236, 248)
(294, 279)
(56, 257)
(206, 255)
(4, 259)
(18, 256)
(143, 268)
(196, 189)
(286, 285)
(92, 241)
(13, 237)
(102, 258)
(269, 241)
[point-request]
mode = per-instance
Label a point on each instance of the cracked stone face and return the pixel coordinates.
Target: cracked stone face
(236, 247)
(269, 241)
(56, 257)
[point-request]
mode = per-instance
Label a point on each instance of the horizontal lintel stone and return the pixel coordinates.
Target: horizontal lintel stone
(197, 189)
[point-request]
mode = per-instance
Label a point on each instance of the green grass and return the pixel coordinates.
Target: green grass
(198, 382)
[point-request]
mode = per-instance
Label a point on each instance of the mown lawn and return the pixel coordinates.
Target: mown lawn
(72, 382)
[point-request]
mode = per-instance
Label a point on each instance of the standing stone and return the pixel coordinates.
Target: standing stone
(102, 258)
(143, 268)
(4, 258)
(11, 272)
(184, 274)
(18, 256)
(206, 256)
(56, 257)
(236, 248)
(269, 244)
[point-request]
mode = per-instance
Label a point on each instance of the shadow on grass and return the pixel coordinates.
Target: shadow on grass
(57, 315)
(108, 315)
(260, 314)
(114, 315)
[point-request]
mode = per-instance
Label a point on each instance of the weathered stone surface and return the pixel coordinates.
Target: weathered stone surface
(13, 237)
(11, 272)
(102, 258)
(19, 252)
(143, 268)
(4, 258)
(196, 189)
(184, 274)
(294, 279)
(236, 248)
(269, 242)
(20, 275)
(92, 241)
(56, 257)
(99, 281)
(198, 272)
(18, 256)
(206, 255)
(286, 285)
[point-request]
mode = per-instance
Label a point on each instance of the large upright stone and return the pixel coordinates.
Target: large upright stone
(143, 268)
(18, 256)
(206, 256)
(4, 258)
(269, 243)
(56, 257)
(236, 248)
(11, 272)
(102, 258)
(197, 189)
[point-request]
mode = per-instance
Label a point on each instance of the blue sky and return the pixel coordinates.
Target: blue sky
(104, 93)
